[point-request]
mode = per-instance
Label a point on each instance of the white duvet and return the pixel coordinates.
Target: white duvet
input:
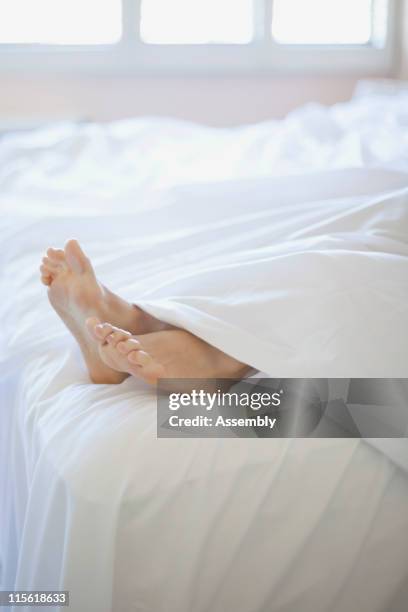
(277, 256)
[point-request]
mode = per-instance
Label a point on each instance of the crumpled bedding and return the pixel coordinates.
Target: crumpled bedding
(298, 276)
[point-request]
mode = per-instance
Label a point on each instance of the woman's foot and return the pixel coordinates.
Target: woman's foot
(172, 353)
(75, 294)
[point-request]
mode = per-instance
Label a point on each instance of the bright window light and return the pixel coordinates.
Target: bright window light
(197, 21)
(323, 22)
(60, 22)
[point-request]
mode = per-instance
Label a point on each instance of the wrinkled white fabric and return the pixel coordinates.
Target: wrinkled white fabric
(287, 264)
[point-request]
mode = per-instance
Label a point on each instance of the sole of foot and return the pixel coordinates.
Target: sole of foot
(75, 294)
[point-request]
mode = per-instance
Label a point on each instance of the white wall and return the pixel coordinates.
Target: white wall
(218, 101)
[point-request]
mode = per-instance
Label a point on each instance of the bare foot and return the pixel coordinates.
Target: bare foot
(172, 353)
(75, 294)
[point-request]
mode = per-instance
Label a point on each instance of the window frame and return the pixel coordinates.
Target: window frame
(131, 56)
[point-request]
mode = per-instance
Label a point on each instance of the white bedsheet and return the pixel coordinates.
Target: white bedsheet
(92, 501)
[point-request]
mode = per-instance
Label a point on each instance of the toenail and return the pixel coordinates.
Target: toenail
(133, 357)
(143, 357)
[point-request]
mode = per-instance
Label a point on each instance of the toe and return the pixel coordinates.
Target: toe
(76, 258)
(46, 271)
(118, 335)
(139, 358)
(98, 330)
(127, 346)
(50, 264)
(46, 280)
(56, 255)
(143, 365)
(102, 331)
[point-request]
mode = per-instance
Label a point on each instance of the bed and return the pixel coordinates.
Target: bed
(91, 501)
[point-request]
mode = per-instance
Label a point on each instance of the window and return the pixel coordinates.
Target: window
(193, 36)
(322, 22)
(197, 21)
(60, 22)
